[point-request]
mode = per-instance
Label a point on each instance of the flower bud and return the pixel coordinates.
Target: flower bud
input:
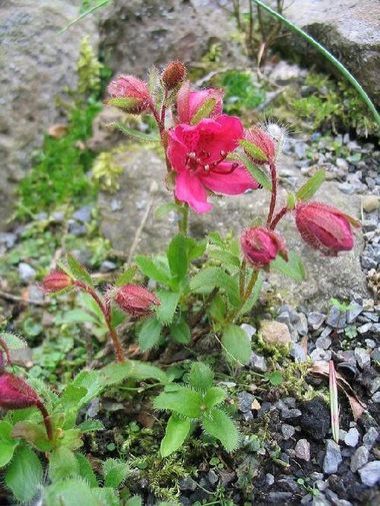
(129, 94)
(325, 228)
(173, 75)
(135, 300)
(15, 393)
(190, 102)
(261, 245)
(56, 281)
(259, 146)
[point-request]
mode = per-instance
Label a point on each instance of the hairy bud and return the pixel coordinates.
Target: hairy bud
(189, 102)
(15, 393)
(129, 94)
(325, 228)
(173, 75)
(259, 146)
(261, 245)
(56, 281)
(135, 300)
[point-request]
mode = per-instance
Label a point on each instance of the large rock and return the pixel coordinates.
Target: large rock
(350, 29)
(37, 63)
(136, 34)
(123, 212)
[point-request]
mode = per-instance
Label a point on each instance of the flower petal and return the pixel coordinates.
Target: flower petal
(189, 189)
(229, 181)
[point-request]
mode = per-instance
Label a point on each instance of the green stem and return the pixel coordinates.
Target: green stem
(251, 284)
(243, 271)
(342, 69)
(183, 223)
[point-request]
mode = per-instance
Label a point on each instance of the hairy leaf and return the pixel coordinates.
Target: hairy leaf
(183, 401)
(201, 376)
(219, 425)
(24, 474)
(78, 271)
(293, 268)
(136, 134)
(236, 343)
(154, 269)
(176, 432)
(115, 471)
(311, 186)
(180, 332)
(168, 304)
(149, 333)
(214, 396)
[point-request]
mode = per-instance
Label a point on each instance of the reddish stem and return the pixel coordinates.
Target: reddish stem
(106, 310)
(163, 110)
(4, 346)
(278, 217)
(273, 199)
(46, 417)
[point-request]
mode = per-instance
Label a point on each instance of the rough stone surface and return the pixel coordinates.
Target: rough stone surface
(121, 214)
(302, 450)
(370, 473)
(175, 29)
(349, 29)
(359, 458)
(276, 333)
(333, 457)
(36, 64)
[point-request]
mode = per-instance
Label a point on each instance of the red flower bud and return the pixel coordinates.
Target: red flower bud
(56, 281)
(263, 149)
(135, 300)
(174, 73)
(15, 393)
(261, 245)
(325, 228)
(130, 94)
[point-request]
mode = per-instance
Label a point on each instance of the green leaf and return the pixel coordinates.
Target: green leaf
(115, 471)
(78, 271)
(125, 103)
(253, 150)
(224, 257)
(106, 495)
(154, 269)
(77, 316)
(85, 470)
(201, 376)
(180, 332)
(178, 256)
(90, 380)
(183, 401)
(113, 374)
(275, 378)
(215, 277)
(293, 268)
(134, 501)
(165, 209)
(204, 111)
(257, 173)
(90, 426)
(311, 186)
(24, 475)
(176, 432)
(136, 134)
(12, 341)
(218, 309)
(149, 333)
(62, 464)
(75, 491)
(168, 304)
(219, 425)
(33, 433)
(127, 276)
(7, 443)
(214, 396)
(236, 344)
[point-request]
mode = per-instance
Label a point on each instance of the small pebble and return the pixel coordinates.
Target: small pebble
(315, 320)
(359, 458)
(303, 450)
(370, 473)
(370, 203)
(323, 343)
(370, 437)
(26, 272)
(333, 457)
(362, 357)
(288, 431)
(248, 329)
(352, 437)
(258, 363)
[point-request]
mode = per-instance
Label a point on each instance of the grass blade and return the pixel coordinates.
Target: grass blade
(334, 406)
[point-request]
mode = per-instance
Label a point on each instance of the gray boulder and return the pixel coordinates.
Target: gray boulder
(123, 212)
(135, 34)
(350, 29)
(37, 64)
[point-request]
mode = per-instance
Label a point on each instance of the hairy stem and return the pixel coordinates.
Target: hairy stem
(106, 310)
(273, 172)
(250, 286)
(183, 223)
(243, 271)
(46, 417)
(278, 217)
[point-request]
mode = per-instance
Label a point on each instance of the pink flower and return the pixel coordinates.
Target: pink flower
(197, 154)
(135, 300)
(56, 281)
(262, 149)
(129, 93)
(189, 102)
(261, 245)
(325, 228)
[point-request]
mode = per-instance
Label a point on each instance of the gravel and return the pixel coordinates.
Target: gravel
(370, 473)
(258, 363)
(333, 457)
(302, 450)
(359, 458)
(26, 272)
(352, 437)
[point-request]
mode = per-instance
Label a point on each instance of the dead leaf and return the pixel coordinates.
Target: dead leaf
(57, 130)
(357, 406)
(255, 405)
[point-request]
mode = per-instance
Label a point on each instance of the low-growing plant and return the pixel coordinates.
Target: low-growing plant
(197, 288)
